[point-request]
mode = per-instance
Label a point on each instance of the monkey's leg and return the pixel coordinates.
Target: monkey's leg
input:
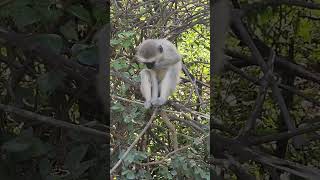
(155, 86)
(167, 86)
(145, 87)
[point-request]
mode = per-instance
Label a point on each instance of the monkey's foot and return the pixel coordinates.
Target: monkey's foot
(159, 101)
(154, 100)
(147, 104)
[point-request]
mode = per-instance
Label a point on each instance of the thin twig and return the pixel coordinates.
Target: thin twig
(193, 82)
(285, 135)
(202, 115)
(134, 142)
(171, 153)
(172, 129)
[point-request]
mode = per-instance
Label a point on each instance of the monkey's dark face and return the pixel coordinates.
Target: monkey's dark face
(149, 65)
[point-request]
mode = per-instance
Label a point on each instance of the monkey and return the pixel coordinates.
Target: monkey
(161, 75)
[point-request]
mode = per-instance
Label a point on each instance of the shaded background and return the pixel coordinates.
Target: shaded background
(53, 110)
(267, 93)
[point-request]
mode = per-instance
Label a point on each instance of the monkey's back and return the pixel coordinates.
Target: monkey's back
(173, 53)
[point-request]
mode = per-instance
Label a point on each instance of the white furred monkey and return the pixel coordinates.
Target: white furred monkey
(160, 78)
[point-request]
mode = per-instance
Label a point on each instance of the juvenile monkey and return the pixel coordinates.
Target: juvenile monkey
(160, 78)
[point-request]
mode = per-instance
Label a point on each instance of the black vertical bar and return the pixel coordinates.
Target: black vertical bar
(108, 85)
(212, 173)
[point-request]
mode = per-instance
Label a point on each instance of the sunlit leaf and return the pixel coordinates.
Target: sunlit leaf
(304, 30)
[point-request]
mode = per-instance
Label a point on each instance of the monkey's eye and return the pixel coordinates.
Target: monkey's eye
(160, 49)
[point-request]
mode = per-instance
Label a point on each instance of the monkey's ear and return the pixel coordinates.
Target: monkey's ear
(160, 48)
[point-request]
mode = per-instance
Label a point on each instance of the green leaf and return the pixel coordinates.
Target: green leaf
(47, 12)
(125, 172)
(117, 107)
(77, 48)
(126, 34)
(265, 15)
(130, 175)
(185, 167)
(38, 147)
(197, 141)
(4, 174)
(192, 163)
(20, 152)
(44, 167)
(173, 172)
(76, 173)
(24, 95)
(52, 41)
(88, 56)
(21, 3)
(21, 12)
(114, 42)
(15, 146)
(49, 82)
(52, 177)
(69, 31)
(129, 158)
(304, 30)
(118, 64)
(139, 156)
(28, 133)
(98, 173)
(24, 16)
(231, 100)
(165, 172)
(80, 13)
(100, 14)
(75, 156)
(85, 54)
(125, 39)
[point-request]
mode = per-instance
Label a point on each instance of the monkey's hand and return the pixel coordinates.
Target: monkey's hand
(147, 104)
(159, 101)
(153, 100)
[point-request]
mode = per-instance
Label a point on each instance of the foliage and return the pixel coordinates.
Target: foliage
(163, 19)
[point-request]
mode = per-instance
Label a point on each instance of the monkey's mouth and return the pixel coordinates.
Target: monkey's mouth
(149, 65)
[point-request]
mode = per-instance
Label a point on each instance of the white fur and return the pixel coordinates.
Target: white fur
(164, 77)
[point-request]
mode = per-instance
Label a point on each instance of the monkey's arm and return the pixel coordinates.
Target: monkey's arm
(167, 86)
(146, 87)
(165, 62)
(154, 85)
